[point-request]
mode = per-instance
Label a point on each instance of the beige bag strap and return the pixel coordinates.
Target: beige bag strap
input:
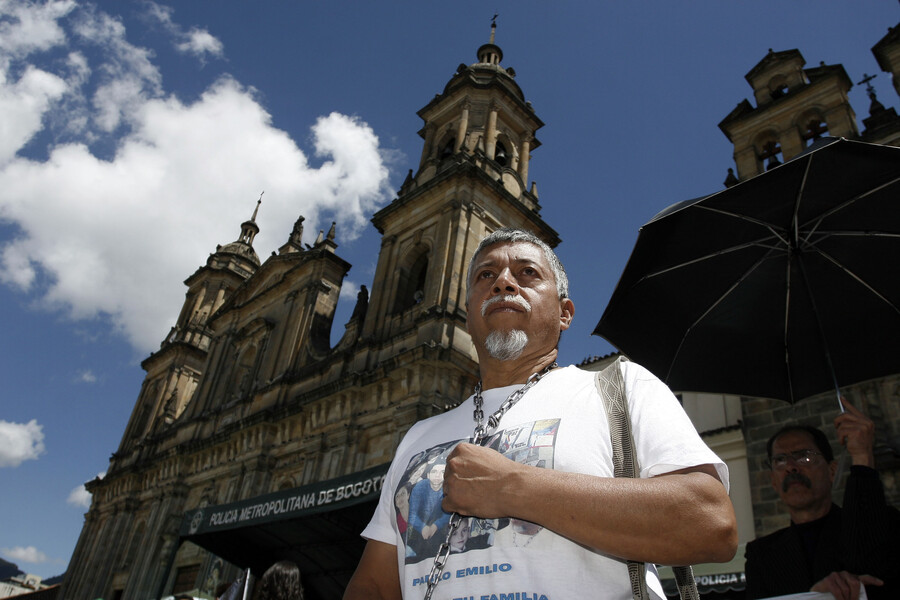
(611, 387)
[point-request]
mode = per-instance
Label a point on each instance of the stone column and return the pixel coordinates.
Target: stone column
(463, 126)
(523, 158)
(198, 304)
(220, 298)
(490, 141)
(746, 162)
(429, 140)
(791, 143)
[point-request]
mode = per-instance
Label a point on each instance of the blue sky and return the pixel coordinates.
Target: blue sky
(136, 136)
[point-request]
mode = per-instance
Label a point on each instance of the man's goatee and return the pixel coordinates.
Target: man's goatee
(506, 345)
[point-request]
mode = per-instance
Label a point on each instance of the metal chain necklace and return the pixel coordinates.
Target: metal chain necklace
(482, 430)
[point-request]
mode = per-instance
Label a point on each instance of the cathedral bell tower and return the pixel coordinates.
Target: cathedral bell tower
(174, 371)
(794, 107)
(472, 179)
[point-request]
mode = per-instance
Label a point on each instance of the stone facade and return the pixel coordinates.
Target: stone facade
(247, 396)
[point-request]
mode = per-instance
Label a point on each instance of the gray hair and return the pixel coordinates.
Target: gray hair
(509, 235)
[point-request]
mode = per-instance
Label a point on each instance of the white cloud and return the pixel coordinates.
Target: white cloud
(20, 442)
(86, 377)
(80, 497)
(349, 290)
(23, 103)
(27, 92)
(200, 42)
(115, 236)
(31, 27)
(126, 78)
(196, 41)
(29, 554)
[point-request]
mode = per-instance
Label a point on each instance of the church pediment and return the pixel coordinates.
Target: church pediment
(267, 280)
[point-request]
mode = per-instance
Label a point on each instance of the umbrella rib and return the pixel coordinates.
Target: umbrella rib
(718, 301)
(795, 226)
(727, 213)
(852, 233)
(755, 243)
(808, 243)
(787, 312)
(859, 279)
(814, 223)
(822, 337)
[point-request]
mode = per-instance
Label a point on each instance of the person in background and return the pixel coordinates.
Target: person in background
(281, 581)
(827, 548)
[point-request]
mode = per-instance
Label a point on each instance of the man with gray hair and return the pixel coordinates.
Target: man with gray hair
(532, 444)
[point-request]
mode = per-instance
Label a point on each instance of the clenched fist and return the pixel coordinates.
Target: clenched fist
(479, 482)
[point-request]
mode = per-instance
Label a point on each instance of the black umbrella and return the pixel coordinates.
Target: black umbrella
(779, 287)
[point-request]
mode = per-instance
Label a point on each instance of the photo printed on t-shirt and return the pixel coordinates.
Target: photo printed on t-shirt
(423, 523)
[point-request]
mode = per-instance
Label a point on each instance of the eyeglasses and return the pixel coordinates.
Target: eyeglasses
(800, 457)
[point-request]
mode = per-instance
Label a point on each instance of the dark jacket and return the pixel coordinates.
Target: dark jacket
(862, 538)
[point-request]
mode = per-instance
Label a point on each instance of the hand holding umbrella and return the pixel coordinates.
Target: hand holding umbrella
(856, 432)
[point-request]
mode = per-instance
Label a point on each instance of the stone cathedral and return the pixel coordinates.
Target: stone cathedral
(254, 439)
(249, 423)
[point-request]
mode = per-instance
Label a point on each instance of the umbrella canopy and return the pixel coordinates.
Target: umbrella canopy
(779, 287)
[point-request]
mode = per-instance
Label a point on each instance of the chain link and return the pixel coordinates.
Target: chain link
(479, 435)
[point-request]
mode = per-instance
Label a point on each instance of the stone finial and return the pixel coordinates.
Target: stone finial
(731, 179)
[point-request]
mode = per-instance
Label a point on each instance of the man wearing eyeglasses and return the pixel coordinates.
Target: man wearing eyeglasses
(827, 548)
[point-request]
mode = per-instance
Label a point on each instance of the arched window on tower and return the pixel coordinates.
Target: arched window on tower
(769, 154)
(813, 129)
(412, 284)
(501, 155)
(447, 149)
(778, 87)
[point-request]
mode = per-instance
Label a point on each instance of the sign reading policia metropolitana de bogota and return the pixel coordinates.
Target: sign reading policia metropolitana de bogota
(286, 504)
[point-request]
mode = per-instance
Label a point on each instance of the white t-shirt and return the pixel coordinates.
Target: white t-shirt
(560, 423)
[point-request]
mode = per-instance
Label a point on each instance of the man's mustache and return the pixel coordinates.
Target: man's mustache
(509, 298)
(795, 478)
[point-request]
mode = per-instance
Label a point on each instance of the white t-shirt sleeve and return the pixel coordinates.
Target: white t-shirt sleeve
(382, 526)
(664, 437)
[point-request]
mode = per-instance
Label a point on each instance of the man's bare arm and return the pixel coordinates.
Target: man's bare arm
(377, 576)
(683, 517)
